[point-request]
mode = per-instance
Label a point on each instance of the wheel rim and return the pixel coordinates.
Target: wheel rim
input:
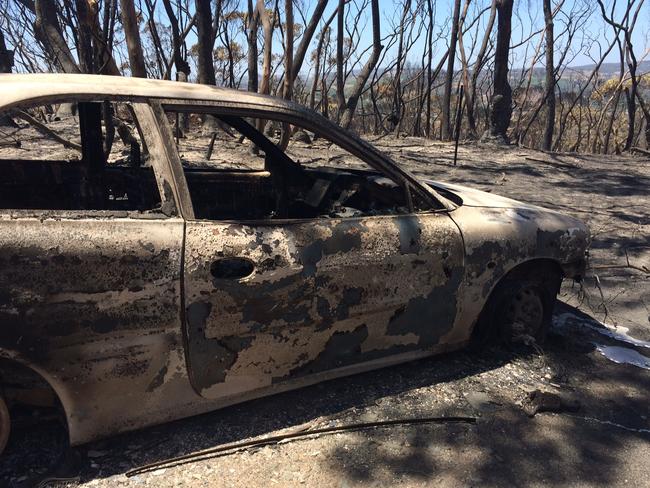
(5, 424)
(524, 314)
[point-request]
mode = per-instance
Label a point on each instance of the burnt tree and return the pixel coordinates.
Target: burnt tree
(287, 89)
(268, 24)
(471, 90)
(205, 61)
(49, 34)
(179, 61)
(501, 102)
(252, 19)
(547, 143)
(340, 82)
(362, 78)
(307, 36)
(6, 56)
(132, 35)
(449, 77)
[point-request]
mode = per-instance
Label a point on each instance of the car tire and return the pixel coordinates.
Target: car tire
(5, 424)
(520, 309)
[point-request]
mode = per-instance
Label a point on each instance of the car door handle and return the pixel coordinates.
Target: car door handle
(232, 268)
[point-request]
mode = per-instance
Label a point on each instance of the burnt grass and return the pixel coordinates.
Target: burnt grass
(604, 443)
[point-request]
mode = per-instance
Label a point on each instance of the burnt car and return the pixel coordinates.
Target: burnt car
(163, 252)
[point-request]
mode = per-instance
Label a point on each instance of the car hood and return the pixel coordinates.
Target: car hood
(476, 198)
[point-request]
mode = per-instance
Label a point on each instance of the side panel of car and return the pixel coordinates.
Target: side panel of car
(391, 290)
(321, 295)
(95, 304)
(92, 299)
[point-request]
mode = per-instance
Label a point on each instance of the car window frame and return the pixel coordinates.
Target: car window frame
(146, 122)
(313, 122)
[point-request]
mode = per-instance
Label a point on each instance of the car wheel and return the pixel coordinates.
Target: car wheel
(520, 309)
(5, 424)
(523, 313)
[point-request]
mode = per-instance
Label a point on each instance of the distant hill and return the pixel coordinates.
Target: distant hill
(608, 68)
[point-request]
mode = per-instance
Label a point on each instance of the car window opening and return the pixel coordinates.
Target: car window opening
(235, 169)
(75, 156)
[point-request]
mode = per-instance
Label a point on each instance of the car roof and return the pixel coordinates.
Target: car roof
(19, 88)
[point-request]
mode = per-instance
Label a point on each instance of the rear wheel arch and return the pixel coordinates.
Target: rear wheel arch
(22, 384)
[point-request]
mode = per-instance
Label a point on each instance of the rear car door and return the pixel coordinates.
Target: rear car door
(90, 264)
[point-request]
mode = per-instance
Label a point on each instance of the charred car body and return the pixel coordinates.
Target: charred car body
(178, 284)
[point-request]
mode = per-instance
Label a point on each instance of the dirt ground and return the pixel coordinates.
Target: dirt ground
(597, 358)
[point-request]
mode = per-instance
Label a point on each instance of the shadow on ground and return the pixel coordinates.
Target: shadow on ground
(506, 447)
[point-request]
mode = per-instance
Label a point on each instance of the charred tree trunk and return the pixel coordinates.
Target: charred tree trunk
(446, 99)
(253, 22)
(132, 35)
(48, 32)
(94, 52)
(427, 129)
(307, 36)
(6, 56)
(161, 56)
(547, 144)
(180, 63)
(205, 61)
(314, 85)
(287, 89)
(323, 40)
(340, 83)
(501, 103)
(470, 95)
(267, 26)
(646, 116)
(397, 114)
(84, 36)
(362, 78)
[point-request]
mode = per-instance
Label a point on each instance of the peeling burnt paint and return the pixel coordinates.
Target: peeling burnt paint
(499, 239)
(345, 237)
(95, 304)
(343, 281)
(431, 316)
(213, 357)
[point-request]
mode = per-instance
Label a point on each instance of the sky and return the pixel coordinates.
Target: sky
(528, 17)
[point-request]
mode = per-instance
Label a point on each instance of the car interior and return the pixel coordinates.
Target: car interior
(281, 189)
(286, 189)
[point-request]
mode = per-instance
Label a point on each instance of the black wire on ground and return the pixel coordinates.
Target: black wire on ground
(233, 447)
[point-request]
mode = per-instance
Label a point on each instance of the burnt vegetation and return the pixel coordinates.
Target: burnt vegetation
(558, 76)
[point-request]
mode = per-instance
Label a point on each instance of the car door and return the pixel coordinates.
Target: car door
(90, 288)
(269, 302)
